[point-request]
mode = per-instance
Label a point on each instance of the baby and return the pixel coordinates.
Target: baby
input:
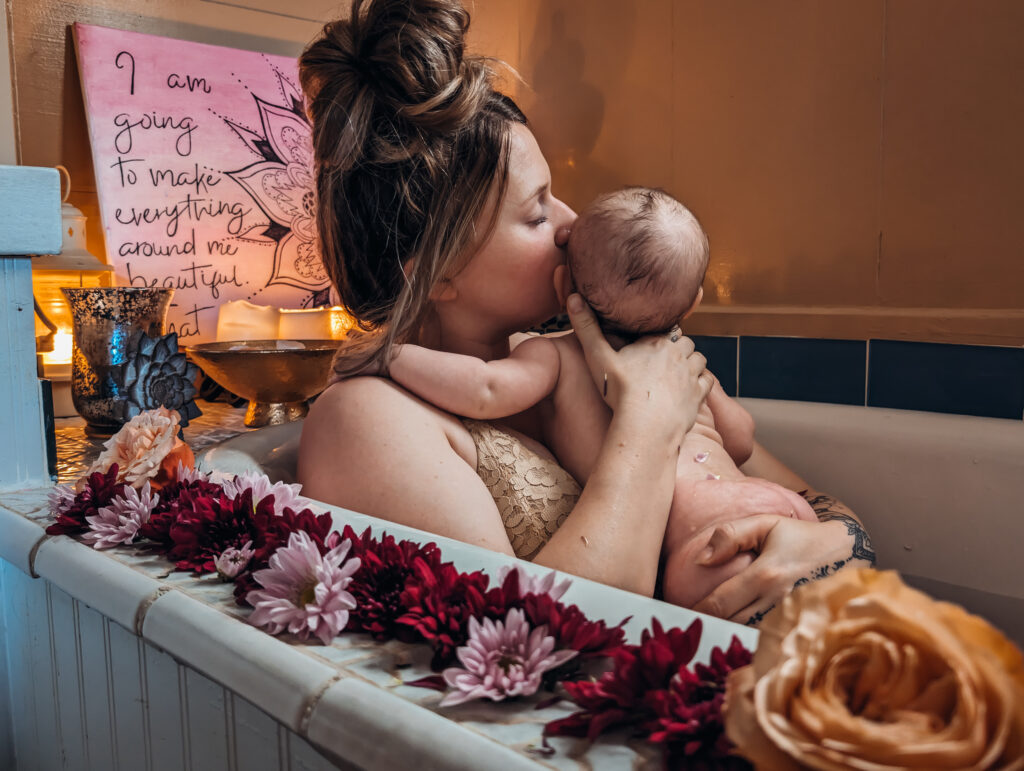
(638, 257)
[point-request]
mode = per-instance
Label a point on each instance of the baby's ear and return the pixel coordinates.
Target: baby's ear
(563, 284)
(696, 302)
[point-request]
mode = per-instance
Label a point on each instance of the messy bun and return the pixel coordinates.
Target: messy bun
(409, 139)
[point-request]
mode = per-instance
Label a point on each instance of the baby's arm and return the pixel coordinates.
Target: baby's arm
(733, 424)
(474, 388)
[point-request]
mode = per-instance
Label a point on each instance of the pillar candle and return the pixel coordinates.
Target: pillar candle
(305, 324)
(242, 320)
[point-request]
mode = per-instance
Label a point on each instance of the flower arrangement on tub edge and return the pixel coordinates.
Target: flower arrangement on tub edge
(853, 671)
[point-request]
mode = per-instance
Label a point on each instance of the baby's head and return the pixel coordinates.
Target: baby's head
(638, 257)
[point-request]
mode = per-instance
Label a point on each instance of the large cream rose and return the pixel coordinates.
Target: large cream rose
(860, 671)
(147, 448)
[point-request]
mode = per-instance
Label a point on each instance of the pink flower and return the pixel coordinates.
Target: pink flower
(285, 496)
(233, 561)
(304, 592)
(60, 499)
(502, 660)
(187, 475)
(531, 584)
(146, 448)
(120, 521)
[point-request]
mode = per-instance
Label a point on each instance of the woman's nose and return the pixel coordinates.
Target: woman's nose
(565, 219)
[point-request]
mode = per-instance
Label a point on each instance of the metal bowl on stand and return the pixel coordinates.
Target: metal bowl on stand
(276, 376)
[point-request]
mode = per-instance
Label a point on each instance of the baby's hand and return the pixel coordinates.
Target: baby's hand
(733, 423)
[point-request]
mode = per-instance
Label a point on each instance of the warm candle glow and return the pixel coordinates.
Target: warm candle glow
(241, 320)
(61, 353)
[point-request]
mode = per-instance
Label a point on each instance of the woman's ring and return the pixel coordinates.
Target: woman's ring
(675, 334)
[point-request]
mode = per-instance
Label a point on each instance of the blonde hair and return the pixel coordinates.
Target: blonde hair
(410, 140)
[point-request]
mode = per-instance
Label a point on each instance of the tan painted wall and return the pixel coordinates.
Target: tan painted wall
(853, 161)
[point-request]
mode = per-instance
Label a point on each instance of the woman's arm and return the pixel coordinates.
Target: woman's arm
(654, 388)
(790, 552)
(369, 446)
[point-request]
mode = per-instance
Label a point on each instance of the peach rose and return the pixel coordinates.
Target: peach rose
(860, 671)
(147, 448)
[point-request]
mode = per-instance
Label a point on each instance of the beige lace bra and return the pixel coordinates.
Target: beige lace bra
(533, 494)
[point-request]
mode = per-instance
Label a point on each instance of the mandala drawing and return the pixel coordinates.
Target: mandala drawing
(282, 185)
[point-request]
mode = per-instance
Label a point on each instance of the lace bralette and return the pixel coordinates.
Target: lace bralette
(533, 494)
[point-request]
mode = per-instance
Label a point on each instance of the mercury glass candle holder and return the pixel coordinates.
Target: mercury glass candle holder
(104, 321)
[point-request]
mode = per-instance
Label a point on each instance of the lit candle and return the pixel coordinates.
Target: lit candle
(304, 324)
(242, 320)
(61, 353)
(313, 324)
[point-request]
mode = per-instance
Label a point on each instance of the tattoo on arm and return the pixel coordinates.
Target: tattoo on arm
(828, 509)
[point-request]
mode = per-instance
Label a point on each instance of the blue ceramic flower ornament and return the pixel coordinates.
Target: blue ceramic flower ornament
(155, 373)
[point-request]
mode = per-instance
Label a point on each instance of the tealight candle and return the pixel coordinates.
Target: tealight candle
(242, 320)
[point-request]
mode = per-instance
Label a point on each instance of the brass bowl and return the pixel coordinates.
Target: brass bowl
(276, 376)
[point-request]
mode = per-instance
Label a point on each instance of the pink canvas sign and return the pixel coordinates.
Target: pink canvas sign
(203, 164)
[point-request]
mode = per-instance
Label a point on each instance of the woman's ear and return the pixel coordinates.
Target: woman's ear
(563, 284)
(696, 302)
(443, 291)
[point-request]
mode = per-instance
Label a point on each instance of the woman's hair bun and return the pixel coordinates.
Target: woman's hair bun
(401, 62)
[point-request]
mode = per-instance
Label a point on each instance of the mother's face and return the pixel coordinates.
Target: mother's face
(510, 279)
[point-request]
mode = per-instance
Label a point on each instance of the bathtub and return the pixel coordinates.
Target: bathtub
(942, 496)
(114, 663)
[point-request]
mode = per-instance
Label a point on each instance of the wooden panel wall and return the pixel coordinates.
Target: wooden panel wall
(854, 161)
(88, 694)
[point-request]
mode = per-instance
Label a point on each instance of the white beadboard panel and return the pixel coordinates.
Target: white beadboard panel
(167, 741)
(257, 737)
(20, 535)
(114, 589)
(273, 675)
(97, 688)
(207, 724)
(302, 756)
(70, 713)
(40, 671)
(132, 741)
(6, 685)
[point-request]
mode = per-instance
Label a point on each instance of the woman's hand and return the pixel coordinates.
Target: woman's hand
(661, 374)
(790, 552)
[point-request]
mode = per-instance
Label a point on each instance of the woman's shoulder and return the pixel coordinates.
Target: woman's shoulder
(360, 413)
(370, 446)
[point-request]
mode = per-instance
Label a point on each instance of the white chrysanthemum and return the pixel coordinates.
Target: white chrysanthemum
(502, 660)
(286, 496)
(120, 521)
(60, 499)
(233, 561)
(304, 592)
(532, 584)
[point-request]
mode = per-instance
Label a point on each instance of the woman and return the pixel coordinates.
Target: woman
(438, 226)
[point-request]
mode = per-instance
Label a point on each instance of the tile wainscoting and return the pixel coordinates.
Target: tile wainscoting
(980, 380)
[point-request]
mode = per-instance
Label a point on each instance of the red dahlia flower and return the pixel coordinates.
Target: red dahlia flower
(201, 535)
(651, 690)
(100, 490)
(378, 584)
(689, 712)
(572, 629)
(438, 602)
(184, 495)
